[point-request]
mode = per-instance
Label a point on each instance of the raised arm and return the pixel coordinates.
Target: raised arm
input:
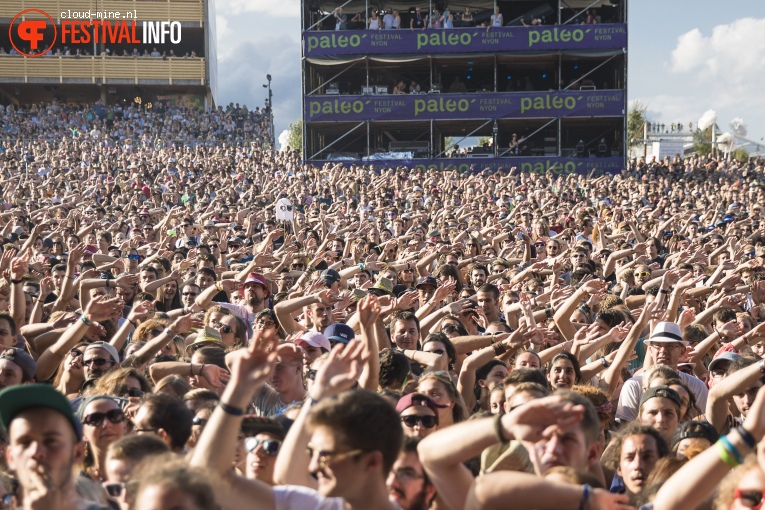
(251, 368)
(338, 373)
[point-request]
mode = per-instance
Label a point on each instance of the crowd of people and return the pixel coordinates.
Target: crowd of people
(224, 326)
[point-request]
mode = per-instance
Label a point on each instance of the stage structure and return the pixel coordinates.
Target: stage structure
(546, 90)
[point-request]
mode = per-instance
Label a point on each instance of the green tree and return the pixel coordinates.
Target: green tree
(636, 118)
(740, 154)
(295, 139)
(702, 141)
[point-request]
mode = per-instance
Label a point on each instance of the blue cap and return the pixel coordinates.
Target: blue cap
(330, 276)
(339, 332)
(728, 218)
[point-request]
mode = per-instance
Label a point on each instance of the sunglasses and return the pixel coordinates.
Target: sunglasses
(539, 245)
(116, 489)
(96, 419)
(749, 498)
(412, 420)
(155, 332)
(75, 353)
(298, 266)
(641, 274)
(270, 446)
(134, 257)
(578, 256)
(199, 421)
(223, 328)
(99, 362)
(132, 393)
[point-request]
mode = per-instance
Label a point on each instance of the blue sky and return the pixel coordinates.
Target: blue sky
(685, 57)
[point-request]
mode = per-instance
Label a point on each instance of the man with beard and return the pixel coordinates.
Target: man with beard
(408, 483)
(255, 291)
(45, 445)
(317, 309)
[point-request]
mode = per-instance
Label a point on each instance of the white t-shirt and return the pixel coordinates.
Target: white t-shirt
(289, 497)
(629, 398)
(296, 497)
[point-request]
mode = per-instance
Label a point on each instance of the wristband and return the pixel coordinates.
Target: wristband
(725, 455)
(223, 252)
(498, 429)
(86, 321)
(731, 449)
(747, 437)
(16, 282)
(605, 362)
(219, 286)
(169, 331)
(586, 489)
(233, 411)
(133, 323)
(361, 267)
(548, 312)
(663, 291)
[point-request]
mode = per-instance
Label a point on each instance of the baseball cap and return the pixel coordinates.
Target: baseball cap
(424, 281)
(330, 276)
(21, 358)
(209, 337)
(258, 279)
(416, 399)
(18, 231)
(695, 429)
(667, 332)
(253, 425)
(107, 347)
(19, 398)
(289, 353)
(339, 332)
(722, 357)
(660, 392)
(314, 339)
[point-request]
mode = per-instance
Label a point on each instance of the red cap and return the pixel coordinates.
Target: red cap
(259, 279)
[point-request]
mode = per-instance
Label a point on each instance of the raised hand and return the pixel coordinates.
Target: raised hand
(340, 371)
(20, 265)
(100, 309)
(126, 280)
(186, 323)
(530, 421)
(368, 310)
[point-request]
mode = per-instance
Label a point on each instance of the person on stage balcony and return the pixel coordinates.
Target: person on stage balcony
(373, 23)
(396, 19)
(496, 19)
(447, 20)
(342, 19)
(400, 89)
(467, 18)
(417, 21)
(387, 21)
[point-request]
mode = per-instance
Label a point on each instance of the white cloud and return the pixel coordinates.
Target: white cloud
(719, 69)
(283, 9)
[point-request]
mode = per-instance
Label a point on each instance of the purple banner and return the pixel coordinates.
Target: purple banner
(464, 40)
(522, 105)
(526, 165)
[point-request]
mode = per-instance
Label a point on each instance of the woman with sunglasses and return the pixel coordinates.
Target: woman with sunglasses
(419, 415)
(126, 383)
(232, 329)
(263, 439)
(103, 422)
(440, 388)
(70, 374)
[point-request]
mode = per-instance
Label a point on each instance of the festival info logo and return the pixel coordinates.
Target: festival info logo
(33, 32)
